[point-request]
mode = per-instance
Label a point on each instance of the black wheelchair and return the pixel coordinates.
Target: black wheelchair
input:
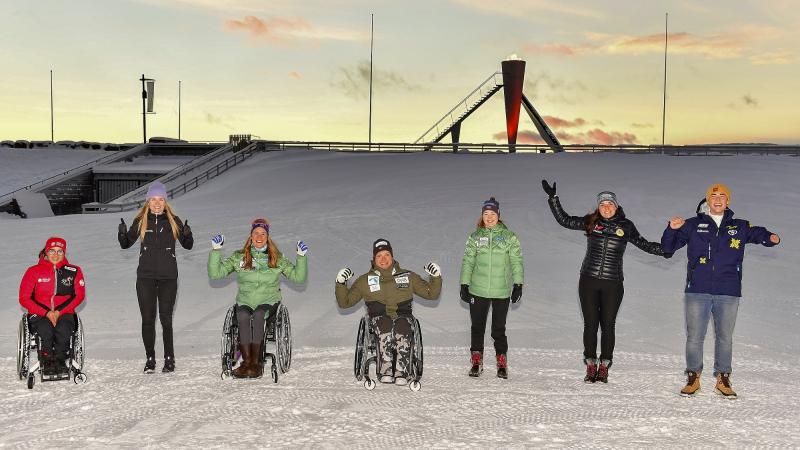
(367, 353)
(278, 330)
(30, 363)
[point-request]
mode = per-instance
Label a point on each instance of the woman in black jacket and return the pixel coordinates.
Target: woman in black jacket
(157, 227)
(600, 288)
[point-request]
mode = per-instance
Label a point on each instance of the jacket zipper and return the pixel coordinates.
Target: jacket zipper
(491, 256)
(55, 289)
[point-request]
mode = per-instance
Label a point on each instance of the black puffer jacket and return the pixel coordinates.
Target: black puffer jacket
(157, 254)
(606, 244)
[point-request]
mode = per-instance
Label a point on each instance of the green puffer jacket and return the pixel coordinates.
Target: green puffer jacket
(261, 285)
(492, 262)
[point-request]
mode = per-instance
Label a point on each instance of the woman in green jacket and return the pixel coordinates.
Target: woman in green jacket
(491, 276)
(258, 266)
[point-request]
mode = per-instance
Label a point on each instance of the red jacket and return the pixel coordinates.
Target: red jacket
(46, 287)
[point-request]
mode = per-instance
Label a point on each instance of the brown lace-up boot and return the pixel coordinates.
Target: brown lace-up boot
(692, 384)
(723, 386)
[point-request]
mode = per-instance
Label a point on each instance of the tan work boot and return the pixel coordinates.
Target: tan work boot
(692, 384)
(723, 386)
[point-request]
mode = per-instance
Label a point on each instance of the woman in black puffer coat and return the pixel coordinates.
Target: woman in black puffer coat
(600, 288)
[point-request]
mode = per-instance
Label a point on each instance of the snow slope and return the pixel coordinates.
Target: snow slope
(426, 205)
(21, 167)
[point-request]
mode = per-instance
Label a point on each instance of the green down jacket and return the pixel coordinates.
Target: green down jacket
(492, 262)
(261, 285)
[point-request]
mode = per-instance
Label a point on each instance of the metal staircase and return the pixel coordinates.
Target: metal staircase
(451, 121)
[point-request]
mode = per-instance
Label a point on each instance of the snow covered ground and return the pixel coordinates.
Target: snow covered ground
(425, 204)
(21, 167)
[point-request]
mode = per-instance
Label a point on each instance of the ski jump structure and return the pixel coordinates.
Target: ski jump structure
(511, 79)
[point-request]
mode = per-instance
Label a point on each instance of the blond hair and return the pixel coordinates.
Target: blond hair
(142, 218)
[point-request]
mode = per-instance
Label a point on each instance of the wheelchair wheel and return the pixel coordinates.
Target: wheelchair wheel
(229, 343)
(283, 338)
(416, 354)
(361, 350)
(23, 341)
(78, 346)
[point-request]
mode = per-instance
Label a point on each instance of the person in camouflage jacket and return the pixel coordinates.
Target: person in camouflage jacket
(388, 291)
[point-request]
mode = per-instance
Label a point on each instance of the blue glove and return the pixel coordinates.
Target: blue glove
(217, 241)
(302, 248)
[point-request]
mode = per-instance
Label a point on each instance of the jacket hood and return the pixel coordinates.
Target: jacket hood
(704, 210)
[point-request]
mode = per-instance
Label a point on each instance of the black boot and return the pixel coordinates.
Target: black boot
(169, 364)
(150, 364)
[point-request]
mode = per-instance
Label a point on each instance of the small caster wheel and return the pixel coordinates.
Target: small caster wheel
(369, 384)
(415, 386)
(80, 378)
(224, 376)
(31, 381)
(274, 375)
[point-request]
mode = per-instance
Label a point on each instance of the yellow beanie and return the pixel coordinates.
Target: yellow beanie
(718, 188)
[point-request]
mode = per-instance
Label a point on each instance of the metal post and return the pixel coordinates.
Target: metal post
(664, 104)
(371, 38)
(144, 112)
(179, 109)
(51, 108)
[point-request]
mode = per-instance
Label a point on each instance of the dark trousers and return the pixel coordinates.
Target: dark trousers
(251, 322)
(600, 301)
(156, 295)
(479, 313)
(54, 339)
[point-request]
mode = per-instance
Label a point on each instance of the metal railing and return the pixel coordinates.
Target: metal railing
(190, 185)
(488, 85)
(401, 147)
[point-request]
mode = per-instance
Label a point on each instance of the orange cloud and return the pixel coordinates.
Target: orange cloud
(557, 122)
(279, 30)
(295, 75)
(594, 136)
(550, 49)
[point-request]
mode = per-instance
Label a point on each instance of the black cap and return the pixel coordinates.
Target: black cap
(381, 245)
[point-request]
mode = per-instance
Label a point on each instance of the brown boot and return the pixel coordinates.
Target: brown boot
(244, 368)
(256, 367)
(723, 386)
(692, 384)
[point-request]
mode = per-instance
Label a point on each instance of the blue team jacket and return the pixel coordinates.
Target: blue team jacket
(715, 254)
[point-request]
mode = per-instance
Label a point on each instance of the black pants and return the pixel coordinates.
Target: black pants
(600, 301)
(251, 322)
(54, 339)
(156, 295)
(479, 312)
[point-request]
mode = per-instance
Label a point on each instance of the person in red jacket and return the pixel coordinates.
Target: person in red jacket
(50, 291)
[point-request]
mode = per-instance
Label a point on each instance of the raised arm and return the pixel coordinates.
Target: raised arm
(296, 273)
(426, 289)
(185, 234)
(760, 235)
(675, 236)
(563, 219)
(654, 248)
(219, 268)
(345, 297)
(127, 236)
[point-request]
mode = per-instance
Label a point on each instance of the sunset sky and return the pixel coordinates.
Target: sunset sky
(298, 70)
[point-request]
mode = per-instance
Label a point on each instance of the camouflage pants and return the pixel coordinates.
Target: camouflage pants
(394, 344)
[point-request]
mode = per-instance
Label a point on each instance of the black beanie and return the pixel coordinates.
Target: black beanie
(380, 245)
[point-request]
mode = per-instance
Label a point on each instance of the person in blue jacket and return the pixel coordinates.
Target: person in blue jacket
(715, 249)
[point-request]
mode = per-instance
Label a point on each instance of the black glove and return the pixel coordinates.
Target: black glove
(122, 227)
(465, 297)
(551, 190)
(516, 293)
(187, 230)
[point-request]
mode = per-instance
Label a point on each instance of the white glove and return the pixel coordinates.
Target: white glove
(302, 248)
(344, 275)
(433, 269)
(217, 241)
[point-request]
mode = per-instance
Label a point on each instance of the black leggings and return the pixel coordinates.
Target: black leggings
(600, 301)
(479, 312)
(54, 339)
(157, 295)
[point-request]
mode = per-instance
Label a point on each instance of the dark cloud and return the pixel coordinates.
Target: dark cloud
(218, 121)
(353, 81)
(542, 85)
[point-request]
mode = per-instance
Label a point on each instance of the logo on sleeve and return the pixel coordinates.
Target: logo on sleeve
(82, 283)
(620, 232)
(735, 243)
(703, 260)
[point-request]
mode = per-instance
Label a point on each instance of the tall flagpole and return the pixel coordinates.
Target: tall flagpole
(371, 36)
(179, 109)
(52, 134)
(664, 104)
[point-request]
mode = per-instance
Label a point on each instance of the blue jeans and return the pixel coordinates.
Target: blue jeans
(698, 309)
